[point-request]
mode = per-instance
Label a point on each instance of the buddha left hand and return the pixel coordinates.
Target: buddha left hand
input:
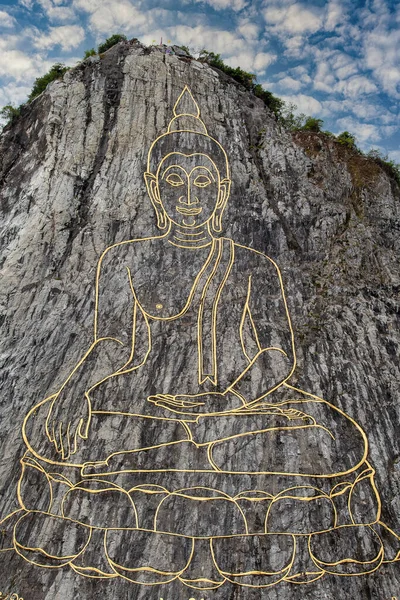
(199, 404)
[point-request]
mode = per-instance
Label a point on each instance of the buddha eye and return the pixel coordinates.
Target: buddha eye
(202, 181)
(174, 179)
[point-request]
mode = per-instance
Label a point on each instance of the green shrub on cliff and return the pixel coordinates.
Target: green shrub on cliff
(389, 166)
(347, 139)
(290, 119)
(88, 53)
(215, 60)
(273, 102)
(56, 72)
(10, 112)
(313, 124)
(248, 80)
(300, 122)
(110, 42)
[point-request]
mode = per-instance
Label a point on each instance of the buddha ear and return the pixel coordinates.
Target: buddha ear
(224, 191)
(153, 192)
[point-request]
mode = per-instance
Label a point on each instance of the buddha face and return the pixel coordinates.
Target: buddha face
(188, 187)
(187, 190)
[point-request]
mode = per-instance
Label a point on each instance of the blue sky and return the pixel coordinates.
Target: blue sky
(338, 60)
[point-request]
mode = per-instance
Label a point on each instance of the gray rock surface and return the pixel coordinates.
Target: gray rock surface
(71, 184)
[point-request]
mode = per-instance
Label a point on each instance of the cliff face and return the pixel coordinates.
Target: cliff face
(71, 184)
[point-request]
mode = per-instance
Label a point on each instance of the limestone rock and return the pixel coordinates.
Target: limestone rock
(71, 184)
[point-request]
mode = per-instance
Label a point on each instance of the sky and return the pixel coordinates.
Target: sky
(337, 60)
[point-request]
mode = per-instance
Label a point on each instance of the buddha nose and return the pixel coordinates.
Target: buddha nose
(188, 198)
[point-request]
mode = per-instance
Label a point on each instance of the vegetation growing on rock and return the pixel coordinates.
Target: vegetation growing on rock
(89, 53)
(285, 113)
(56, 72)
(248, 80)
(10, 112)
(110, 42)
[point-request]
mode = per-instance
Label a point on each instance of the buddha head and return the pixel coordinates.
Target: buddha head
(187, 176)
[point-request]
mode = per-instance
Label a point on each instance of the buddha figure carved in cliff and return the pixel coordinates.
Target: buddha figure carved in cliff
(178, 435)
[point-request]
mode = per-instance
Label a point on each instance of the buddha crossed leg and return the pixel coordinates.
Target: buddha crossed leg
(183, 406)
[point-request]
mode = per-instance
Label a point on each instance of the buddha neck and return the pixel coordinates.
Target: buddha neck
(189, 237)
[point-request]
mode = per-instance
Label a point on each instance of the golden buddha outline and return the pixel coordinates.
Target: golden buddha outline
(214, 424)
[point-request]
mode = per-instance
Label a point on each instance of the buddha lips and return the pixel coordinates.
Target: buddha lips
(189, 211)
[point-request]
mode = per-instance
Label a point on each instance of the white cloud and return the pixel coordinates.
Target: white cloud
(235, 5)
(296, 46)
(56, 12)
(335, 15)
(217, 40)
(361, 109)
(262, 60)
(14, 93)
(298, 71)
(339, 73)
(356, 86)
(61, 13)
(346, 70)
(381, 54)
(290, 84)
(66, 36)
(394, 155)
(389, 130)
(381, 44)
(343, 64)
(121, 16)
(294, 19)
(9, 42)
(250, 31)
(6, 20)
(21, 66)
(366, 132)
(376, 12)
(249, 61)
(305, 104)
(324, 79)
(88, 6)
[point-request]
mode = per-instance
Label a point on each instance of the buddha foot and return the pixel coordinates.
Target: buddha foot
(202, 572)
(256, 561)
(200, 513)
(93, 561)
(347, 550)
(7, 530)
(304, 569)
(147, 557)
(300, 510)
(49, 541)
(100, 504)
(390, 541)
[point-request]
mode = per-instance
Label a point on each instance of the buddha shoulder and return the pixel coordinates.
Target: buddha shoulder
(255, 263)
(133, 254)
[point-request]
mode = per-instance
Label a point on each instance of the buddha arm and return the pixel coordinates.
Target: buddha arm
(104, 357)
(266, 372)
(267, 314)
(111, 351)
(70, 411)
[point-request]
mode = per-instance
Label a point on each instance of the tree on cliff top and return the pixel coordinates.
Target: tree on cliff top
(10, 112)
(110, 42)
(56, 72)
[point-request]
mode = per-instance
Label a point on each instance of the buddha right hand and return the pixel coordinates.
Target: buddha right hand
(67, 421)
